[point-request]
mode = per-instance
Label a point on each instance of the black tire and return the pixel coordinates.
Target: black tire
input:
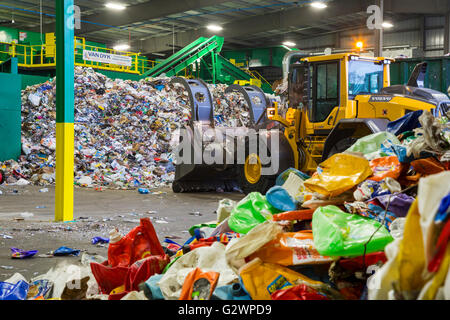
(176, 187)
(264, 183)
(262, 186)
(341, 146)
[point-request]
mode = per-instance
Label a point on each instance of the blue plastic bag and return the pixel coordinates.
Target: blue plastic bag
(65, 251)
(22, 254)
(408, 122)
(96, 240)
(143, 191)
(281, 199)
(17, 291)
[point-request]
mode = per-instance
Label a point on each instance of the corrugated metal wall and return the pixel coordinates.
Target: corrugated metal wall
(407, 33)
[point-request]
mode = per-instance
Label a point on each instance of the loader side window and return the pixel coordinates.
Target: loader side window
(326, 95)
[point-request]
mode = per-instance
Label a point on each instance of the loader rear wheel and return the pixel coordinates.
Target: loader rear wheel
(341, 146)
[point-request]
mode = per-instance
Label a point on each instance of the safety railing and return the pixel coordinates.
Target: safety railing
(38, 56)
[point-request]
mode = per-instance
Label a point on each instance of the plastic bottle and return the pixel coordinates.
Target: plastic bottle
(115, 236)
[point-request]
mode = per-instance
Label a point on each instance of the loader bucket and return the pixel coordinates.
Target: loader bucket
(192, 174)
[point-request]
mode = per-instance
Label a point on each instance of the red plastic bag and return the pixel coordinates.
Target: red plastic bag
(300, 292)
(108, 278)
(131, 260)
(139, 243)
(143, 269)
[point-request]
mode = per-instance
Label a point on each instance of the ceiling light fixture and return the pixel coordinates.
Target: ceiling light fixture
(121, 47)
(387, 24)
(214, 27)
(115, 6)
(289, 43)
(318, 5)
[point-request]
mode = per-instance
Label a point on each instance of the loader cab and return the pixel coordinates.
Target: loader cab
(325, 86)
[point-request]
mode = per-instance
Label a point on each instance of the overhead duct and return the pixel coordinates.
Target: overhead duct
(287, 61)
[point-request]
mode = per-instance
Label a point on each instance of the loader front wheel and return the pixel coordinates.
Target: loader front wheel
(250, 177)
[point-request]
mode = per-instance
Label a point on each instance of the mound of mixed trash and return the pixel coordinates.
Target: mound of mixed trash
(123, 130)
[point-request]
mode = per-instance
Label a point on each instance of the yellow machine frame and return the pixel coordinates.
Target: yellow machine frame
(301, 132)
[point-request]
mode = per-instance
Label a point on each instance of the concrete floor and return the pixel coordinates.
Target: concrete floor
(97, 212)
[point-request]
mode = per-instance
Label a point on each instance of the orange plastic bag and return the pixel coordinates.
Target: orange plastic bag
(139, 243)
(385, 167)
(291, 248)
(294, 215)
(427, 166)
(199, 285)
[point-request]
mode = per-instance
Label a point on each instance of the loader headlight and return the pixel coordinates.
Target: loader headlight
(270, 113)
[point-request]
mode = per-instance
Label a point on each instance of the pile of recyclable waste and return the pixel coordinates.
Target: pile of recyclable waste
(123, 130)
(376, 226)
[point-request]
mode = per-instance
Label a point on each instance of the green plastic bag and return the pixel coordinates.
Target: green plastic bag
(249, 212)
(373, 142)
(337, 233)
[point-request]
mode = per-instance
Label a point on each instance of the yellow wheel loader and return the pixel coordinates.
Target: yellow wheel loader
(333, 100)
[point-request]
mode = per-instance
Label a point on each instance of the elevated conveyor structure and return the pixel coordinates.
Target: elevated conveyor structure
(186, 56)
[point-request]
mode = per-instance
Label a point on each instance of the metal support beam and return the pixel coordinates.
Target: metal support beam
(447, 33)
(64, 110)
(379, 33)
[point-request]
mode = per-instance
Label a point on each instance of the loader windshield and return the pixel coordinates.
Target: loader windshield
(364, 77)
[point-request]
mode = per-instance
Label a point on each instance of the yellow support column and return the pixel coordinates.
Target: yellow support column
(64, 110)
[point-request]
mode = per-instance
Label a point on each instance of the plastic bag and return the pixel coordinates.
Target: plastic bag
(22, 254)
(280, 199)
(399, 203)
(281, 179)
(199, 285)
(16, 291)
(372, 143)
(249, 212)
(224, 209)
(39, 289)
(65, 251)
(338, 174)
(239, 249)
(261, 279)
(337, 233)
(385, 167)
(139, 243)
(291, 248)
(294, 215)
(427, 166)
(370, 189)
(300, 292)
(206, 258)
(408, 122)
